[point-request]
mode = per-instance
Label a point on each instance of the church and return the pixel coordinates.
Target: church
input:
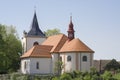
(41, 53)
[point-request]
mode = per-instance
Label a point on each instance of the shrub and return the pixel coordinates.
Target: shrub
(117, 76)
(65, 76)
(96, 77)
(56, 78)
(108, 76)
(76, 74)
(87, 77)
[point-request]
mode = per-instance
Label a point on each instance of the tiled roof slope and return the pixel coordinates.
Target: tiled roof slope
(40, 51)
(75, 45)
(35, 30)
(57, 41)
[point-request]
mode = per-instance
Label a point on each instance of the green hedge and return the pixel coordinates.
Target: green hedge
(75, 75)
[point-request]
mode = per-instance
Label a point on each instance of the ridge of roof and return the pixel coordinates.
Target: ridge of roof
(75, 45)
(54, 41)
(60, 43)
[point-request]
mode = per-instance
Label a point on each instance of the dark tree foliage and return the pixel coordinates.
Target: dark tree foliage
(10, 46)
(112, 65)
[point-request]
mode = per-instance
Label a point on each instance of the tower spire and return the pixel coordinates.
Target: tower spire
(35, 30)
(70, 17)
(70, 30)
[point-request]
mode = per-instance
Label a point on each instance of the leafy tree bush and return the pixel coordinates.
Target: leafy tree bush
(76, 74)
(87, 76)
(117, 76)
(96, 77)
(107, 76)
(65, 76)
(10, 45)
(51, 32)
(93, 71)
(58, 67)
(56, 78)
(112, 65)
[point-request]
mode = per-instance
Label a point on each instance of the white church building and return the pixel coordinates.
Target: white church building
(40, 54)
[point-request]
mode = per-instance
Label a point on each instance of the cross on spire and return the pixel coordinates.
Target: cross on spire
(34, 9)
(71, 17)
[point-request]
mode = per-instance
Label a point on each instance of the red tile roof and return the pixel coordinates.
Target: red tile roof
(38, 51)
(75, 45)
(57, 41)
(57, 44)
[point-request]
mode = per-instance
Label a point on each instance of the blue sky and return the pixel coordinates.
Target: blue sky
(96, 22)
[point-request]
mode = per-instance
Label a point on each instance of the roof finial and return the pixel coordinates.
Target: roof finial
(34, 9)
(70, 17)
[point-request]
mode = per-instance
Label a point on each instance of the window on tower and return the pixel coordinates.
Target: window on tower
(35, 43)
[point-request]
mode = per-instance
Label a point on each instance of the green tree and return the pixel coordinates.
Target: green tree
(10, 46)
(113, 65)
(2, 34)
(1, 43)
(2, 48)
(51, 32)
(58, 67)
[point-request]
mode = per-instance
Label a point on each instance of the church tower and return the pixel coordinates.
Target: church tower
(70, 30)
(34, 36)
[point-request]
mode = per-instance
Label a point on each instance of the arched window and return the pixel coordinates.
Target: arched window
(37, 65)
(35, 43)
(25, 64)
(68, 58)
(84, 58)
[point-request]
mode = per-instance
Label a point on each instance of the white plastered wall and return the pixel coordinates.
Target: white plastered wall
(85, 65)
(44, 66)
(27, 69)
(28, 42)
(77, 64)
(68, 65)
(54, 60)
